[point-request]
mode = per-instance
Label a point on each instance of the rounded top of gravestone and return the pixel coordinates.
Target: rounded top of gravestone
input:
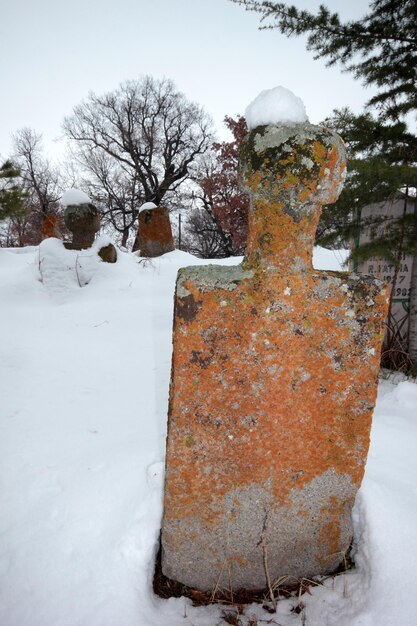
(275, 106)
(74, 197)
(148, 206)
(298, 164)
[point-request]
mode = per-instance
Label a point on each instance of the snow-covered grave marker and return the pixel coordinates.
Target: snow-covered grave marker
(273, 378)
(154, 236)
(82, 218)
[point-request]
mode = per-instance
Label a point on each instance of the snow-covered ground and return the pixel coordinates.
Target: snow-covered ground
(84, 377)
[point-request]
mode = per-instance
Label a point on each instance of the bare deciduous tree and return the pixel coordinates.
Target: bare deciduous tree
(40, 181)
(115, 191)
(204, 236)
(218, 225)
(149, 129)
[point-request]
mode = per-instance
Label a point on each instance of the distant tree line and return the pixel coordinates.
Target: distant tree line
(146, 142)
(142, 142)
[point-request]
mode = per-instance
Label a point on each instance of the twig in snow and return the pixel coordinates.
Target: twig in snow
(40, 264)
(76, 270)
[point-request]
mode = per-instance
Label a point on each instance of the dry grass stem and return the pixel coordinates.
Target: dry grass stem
(267, 575)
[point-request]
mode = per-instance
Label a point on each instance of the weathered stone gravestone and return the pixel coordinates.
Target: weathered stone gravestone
(82, 218)
(154, 234)
(273, 385)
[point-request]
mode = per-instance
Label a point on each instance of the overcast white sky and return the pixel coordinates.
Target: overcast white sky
(53, 52)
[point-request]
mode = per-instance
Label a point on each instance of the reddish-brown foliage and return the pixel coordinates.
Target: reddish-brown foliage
(221, 188)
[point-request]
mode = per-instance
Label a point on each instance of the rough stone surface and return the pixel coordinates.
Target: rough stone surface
(108, 253)
(155, 233)
(83, 220)
(273, 385)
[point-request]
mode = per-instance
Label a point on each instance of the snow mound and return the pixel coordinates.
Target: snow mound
(406, 394)
(275, 106)
(147, 206)
(82, 456)
(74, 196)
(63, 271)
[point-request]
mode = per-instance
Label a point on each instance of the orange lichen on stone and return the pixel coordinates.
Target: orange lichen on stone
(51, 227)
(273, 385)
(155, 233)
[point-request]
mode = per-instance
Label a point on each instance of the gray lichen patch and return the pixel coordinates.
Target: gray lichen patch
(363, 287)
(322, 489)
(255, 524)
(296, 164)
(326, 284)
(209, 277)
(80, 209)
(359, 289)
(300, 265)
(276, 143)
(274, 136)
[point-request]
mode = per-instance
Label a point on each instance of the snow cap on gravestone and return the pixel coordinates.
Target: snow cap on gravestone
(73, 197)
(147, 206)
(280, 158)
(275, 106)
(81, 218)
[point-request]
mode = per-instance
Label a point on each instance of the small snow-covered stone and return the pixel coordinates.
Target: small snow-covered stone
(74, 196)
(275, 106)
(147, 206)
